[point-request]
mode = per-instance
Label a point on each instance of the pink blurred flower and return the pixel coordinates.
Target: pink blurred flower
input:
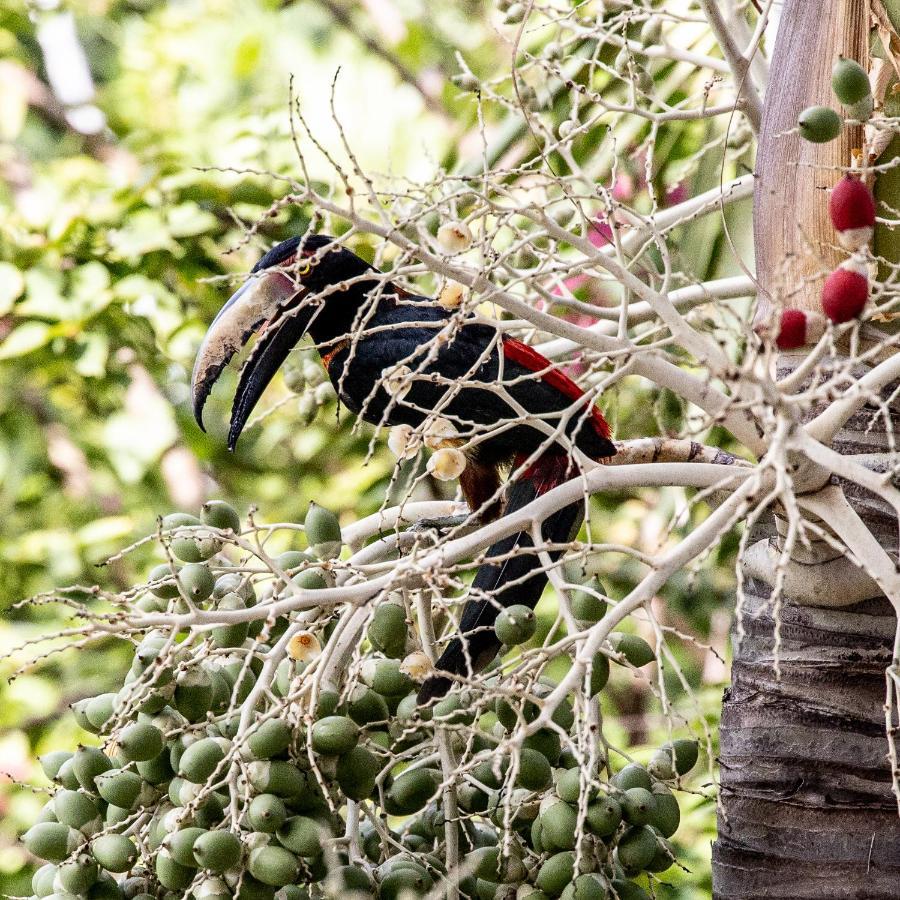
(623, 189)
(601, 233)
(676, 194)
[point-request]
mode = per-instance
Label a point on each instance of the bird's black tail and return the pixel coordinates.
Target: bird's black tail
(516, 577)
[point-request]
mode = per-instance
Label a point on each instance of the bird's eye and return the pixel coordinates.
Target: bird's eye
(303, 266)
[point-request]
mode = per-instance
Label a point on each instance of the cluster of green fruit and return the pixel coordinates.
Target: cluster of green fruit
(851, 86)
(305, 376)
(227, 772)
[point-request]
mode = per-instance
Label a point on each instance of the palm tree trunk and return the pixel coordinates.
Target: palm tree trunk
(806, 806)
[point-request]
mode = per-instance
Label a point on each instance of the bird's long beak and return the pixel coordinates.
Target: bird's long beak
(270, 304)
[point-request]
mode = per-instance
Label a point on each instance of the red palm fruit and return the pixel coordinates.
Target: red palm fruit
(845, 293)
(852, 210)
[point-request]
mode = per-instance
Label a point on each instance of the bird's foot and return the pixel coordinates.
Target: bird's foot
(440, 523)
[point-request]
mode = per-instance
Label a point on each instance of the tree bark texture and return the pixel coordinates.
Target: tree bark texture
(806, 806)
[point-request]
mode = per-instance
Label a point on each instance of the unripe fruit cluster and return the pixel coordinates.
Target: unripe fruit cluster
(207, 784)
(851, 86)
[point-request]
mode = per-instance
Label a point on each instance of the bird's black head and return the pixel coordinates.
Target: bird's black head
(292, 286)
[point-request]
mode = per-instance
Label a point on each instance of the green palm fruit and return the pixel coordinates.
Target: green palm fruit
(323, 531)
(515, 625)
(334, 735)
(222, 515)
(217, 851)
(115, 852)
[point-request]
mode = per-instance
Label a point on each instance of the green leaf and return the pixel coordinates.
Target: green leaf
(12, 284)
(24, 339)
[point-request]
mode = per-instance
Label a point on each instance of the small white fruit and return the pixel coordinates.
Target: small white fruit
(454, 237)
(447, 464)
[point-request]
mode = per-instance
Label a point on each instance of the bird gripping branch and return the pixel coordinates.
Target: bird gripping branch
(366, 328)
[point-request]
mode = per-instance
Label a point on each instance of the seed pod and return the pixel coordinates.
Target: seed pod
(850, 81)
(115, 852)
(334, 735)
(446, 464)
(201, 759)
(303, 836)
(99, 710)
(120, 787)
(75, 876)
(628, 890)
(189, 549)
(396, 381)
(42, 880)
(590, 886)
(235, 634)
(452, 295)
(819, 124)
(87, 764)
(269, 738)
(417, 666)
(168, 588)
(863, 110)
(304, 647)
(534, 772)
(603, 816)
(324, 393)
(193, 694)
(74, 808)
(366, 706)
(273, 865)
(217, 851)
(556, 873)
(323, 531)
(356, 773)
(196, 581)
(387, 631)
(412, 790)
(852, 210)
(636, 650)
(403, 442)
(171, 875)
(53, 761)
(222, 515)
(599, 673)
(403, 882)
(277, 777)
(52, 841)
(266, 813)
(140, 742)
(686, 751)
(631, 776)
(558, 824)
(385, 677)
(586, 605)
(515, 625)
(845, 292)
(638, 806)
(454, 237)
(180, 845)
(636, 849)
(667, 816)
(664, 857)
(798, 327)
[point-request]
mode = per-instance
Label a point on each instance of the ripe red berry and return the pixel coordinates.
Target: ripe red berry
(844, 294)
(792, 330)
(852, 210)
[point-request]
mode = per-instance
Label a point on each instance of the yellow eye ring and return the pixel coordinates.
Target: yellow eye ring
(302, 268)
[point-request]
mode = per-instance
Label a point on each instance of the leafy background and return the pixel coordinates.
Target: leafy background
(110, 251)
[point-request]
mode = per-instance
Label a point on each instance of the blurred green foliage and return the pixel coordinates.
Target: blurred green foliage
(114, 255)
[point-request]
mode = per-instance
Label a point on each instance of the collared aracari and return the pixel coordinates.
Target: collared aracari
(489, 386)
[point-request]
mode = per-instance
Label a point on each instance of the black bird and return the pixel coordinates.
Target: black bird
(373, 336)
